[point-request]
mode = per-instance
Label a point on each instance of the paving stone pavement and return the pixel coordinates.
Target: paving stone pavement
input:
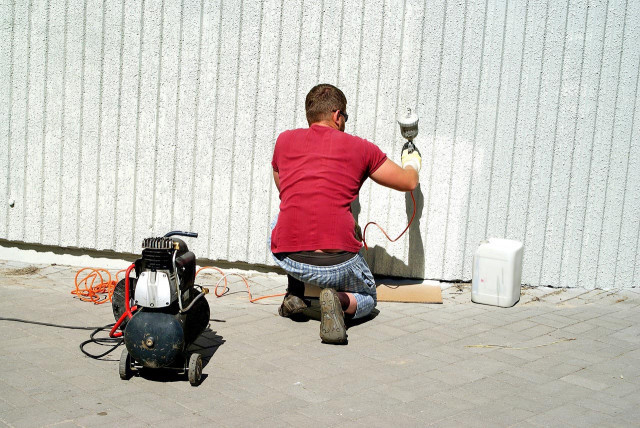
(560, 357)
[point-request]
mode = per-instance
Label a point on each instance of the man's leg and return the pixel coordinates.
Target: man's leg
(293, 302)
(348, 302)
(295, 287)
(332, 327)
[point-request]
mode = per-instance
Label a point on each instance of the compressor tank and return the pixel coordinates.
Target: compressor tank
(159, 337)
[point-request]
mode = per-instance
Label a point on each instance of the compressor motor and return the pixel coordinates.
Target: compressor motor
(170, 309)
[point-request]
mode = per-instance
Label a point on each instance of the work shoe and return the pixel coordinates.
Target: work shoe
(291, 305)
(332, 328)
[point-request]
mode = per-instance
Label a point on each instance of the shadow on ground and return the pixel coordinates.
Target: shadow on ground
(206, 345)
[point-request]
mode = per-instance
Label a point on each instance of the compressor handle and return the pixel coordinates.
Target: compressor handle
(181, 233)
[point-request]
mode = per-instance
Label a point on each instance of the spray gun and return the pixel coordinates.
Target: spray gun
(409, 129)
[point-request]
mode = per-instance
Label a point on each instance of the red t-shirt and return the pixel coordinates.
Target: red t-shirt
(321, 171)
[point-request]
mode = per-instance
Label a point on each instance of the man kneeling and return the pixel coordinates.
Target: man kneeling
(319, 171)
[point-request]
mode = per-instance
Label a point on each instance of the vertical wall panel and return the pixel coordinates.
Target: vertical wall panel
(52, 135)
(238, 212)
(164, 144)
(618, 156)
(127, 129)
(507, 109)
(374, 202)
(91, 96)
(147, 125)
(626, 269)
(285, 74)
(445, 130)
(410, 42)
(629, 261)
(33, 121)
(585, 140)
(385, 132)
(184, 155)
(563, 143)
(429, 96)
(484, 122)
(468, 125)
(526, 136)
(460, 161)
(71, 124)
(330, 35)
(7, 9)
(226, 113)
(209, 46)
(601, 143)
(125, 122)
(107, 168)
(543, 153)
(264, 132)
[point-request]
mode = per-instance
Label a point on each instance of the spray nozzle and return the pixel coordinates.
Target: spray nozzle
(408, 125)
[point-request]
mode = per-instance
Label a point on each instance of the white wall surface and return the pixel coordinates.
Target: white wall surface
(125, 119)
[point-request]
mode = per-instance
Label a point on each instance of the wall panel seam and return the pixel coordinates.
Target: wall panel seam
(26, 121)
(10, 112)
(63, 97)
(98, 149)
(44, 115)
(118, 123)
(81, 121)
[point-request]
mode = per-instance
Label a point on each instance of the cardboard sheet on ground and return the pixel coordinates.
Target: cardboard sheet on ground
(392, 290)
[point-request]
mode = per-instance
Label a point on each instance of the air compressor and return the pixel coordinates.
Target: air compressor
(161, 311)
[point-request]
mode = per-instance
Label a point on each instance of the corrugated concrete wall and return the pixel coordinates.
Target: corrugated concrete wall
(124, 119)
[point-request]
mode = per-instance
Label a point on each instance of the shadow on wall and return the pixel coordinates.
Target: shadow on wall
(378, 256)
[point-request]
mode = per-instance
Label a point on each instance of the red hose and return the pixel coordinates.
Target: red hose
(366, 247)
(128, 310)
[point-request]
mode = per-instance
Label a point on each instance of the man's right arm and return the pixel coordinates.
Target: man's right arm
(276, 179)
(391, 175)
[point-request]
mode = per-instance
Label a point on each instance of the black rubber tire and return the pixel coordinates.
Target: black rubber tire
(195, 369)
(125, 365)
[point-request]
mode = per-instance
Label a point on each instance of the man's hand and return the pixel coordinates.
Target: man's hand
(411, 156)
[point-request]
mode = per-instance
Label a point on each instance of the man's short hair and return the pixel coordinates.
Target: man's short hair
(322, 100)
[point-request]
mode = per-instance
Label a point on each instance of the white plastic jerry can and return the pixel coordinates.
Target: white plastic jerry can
(497, 272)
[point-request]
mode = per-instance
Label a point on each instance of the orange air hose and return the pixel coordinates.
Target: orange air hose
(88, 290)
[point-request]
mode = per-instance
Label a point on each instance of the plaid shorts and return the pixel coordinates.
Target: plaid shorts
(352, 276)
